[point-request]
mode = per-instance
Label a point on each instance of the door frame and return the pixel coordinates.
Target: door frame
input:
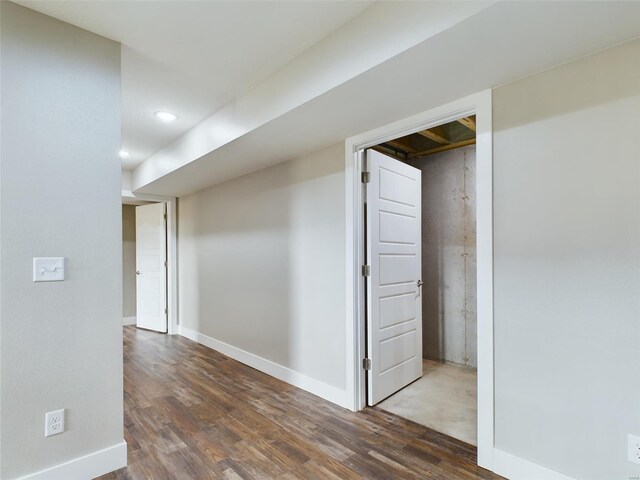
(479, 104)
(172, 252)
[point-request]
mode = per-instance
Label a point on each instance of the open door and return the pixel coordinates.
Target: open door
(151, 267)
(394, 304)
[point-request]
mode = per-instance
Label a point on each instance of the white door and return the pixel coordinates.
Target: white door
(151, 270)
(394, 320)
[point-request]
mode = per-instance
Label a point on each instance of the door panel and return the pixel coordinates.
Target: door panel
(394, 320)
(396, 228)
(396, 268)
(397, 350)
(397, 309)
(396, 187)
(151, 272)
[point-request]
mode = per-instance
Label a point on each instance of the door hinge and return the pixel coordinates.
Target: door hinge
(366, 270)
(366, 363)
(366, 177)
(166, 311)
(165, 264)
(165, 216)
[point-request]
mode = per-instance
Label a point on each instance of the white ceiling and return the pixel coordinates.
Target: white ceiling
(476, 53)
(193, 57)
(251, 80)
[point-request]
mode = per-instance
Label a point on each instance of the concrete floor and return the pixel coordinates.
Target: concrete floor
(444, 399)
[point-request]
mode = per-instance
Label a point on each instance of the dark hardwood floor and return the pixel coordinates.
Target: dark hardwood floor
(192, 413)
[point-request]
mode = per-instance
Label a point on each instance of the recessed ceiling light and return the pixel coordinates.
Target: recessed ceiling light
(166, 116)
(124, 154)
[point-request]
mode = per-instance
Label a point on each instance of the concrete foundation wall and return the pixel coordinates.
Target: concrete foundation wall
(449, 256)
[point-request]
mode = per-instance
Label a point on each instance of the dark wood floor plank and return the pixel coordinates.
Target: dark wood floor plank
(192, 413)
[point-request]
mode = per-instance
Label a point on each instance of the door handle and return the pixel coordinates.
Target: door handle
(419, 283)
(137, 272)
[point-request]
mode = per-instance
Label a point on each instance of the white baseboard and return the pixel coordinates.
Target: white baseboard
(297, 379)
(87, 467)
(516, 468)
(129, 320)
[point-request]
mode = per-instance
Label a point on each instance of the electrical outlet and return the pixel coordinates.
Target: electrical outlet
(634, 448)
(54, 423)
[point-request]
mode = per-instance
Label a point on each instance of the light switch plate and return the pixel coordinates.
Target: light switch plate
(48, 269)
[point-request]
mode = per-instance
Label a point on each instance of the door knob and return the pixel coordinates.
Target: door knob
(419, 283)
(137, 272)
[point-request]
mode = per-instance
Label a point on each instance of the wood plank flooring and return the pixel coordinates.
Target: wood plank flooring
(193, 413)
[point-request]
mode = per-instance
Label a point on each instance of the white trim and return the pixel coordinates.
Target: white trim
(516, 468)
(86, 467)
(172, 272)
(172, 253)
(297, 379)
(129, 320)
(484, 275)
(480, 105)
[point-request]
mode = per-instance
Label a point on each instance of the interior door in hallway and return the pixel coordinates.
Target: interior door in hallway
(394, 320)
(151, 267)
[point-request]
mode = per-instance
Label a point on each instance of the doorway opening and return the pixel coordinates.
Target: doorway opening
(358, 350)
(427, 324)
(146, 265)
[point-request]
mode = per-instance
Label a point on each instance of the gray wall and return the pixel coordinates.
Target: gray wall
(449, 256)
(61, 342)
(128, 261)
(262, 264)
(567, 265)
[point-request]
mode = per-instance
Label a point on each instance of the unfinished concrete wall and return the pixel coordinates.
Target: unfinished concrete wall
(449, 256)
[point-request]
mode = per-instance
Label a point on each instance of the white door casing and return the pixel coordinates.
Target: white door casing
(479, 104)
(151, 272)
(394, 303)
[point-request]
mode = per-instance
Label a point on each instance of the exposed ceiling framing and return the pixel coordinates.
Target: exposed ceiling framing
(469, 122)
(456, 134)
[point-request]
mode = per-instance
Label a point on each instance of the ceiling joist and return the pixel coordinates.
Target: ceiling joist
(468, 122)
(444, 148)
(433, 134)
(438, 139)
(401, 146)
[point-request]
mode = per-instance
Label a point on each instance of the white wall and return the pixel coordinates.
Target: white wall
(567, 265)
(262, 264)
(61, 343)
(128, 261)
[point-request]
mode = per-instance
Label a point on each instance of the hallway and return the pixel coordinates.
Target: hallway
(192, 413)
